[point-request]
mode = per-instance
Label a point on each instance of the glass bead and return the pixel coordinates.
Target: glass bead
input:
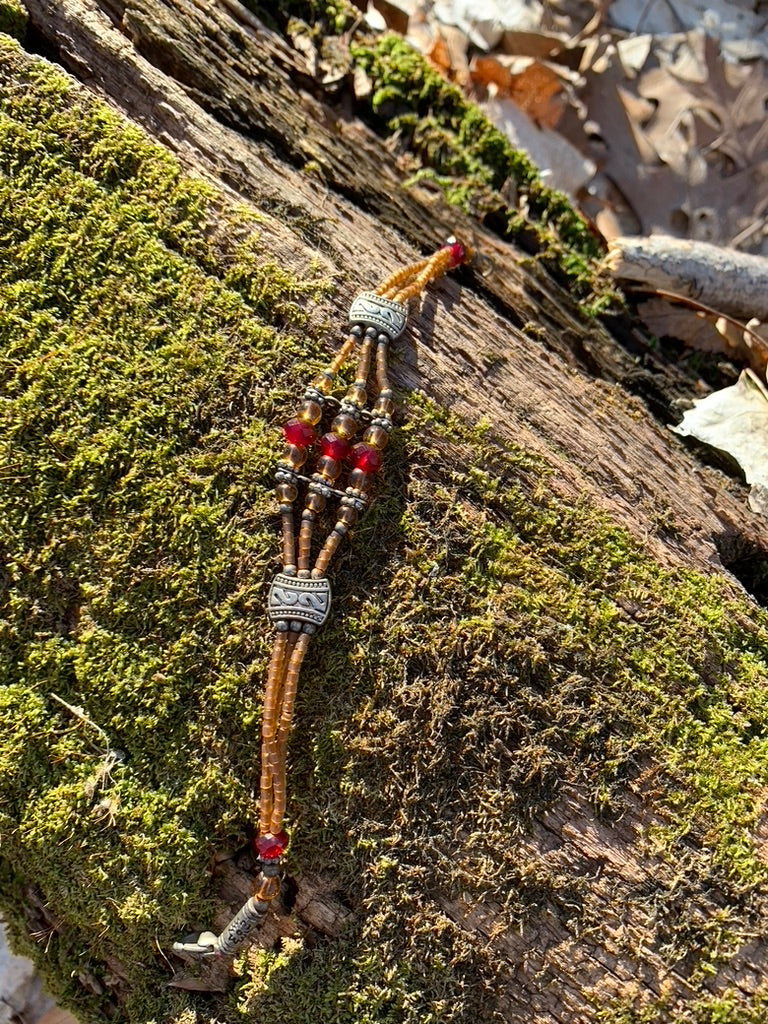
(385, 406)
(367, 458)
(286, 492)
(358, 395)
(316, 502)
(344, 425)
(458, 253)
(267, 889)
(376, 436)
(310, 412)
(294, 456)
(328, 467)
(361, 480)
(299, 433)
(269, 846)
(335, 447)
(348, 515)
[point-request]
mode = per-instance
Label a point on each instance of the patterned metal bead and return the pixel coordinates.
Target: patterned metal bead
(348, 408)
(299, 600)
(319, 485)
(383, 315)
(285, 474)
(245, 922)
(351, 500)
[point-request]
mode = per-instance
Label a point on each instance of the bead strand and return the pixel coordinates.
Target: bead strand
(284, 727)
(299, 598)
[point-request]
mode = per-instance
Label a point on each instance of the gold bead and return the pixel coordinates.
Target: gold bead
(344, 425)
(310, 412)
(376, 436)
(286, 492)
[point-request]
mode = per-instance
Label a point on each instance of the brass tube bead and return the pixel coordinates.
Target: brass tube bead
(286, 718)
(289, 540)
(381, 366)
(393, 282)
(331, 546)
(342, 355)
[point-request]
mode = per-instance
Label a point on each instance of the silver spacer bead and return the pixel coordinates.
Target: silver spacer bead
(319, 486)
(313, 394)
(349, 408)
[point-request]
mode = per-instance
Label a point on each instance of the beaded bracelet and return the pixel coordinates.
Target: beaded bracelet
(299, 599)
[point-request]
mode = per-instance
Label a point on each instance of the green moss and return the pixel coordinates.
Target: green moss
(497, 643)
(13, 18)
(471, 159)
(730, 1008)
(325, 16)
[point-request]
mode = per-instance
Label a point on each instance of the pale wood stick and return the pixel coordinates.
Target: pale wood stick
(727, 280)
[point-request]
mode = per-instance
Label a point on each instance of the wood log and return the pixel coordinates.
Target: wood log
(524, 866)
(725, 280)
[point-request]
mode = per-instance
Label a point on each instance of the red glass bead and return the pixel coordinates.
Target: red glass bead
(366, 458)
(270, 847)
(299, 433)
(335, 447)
(458, 253)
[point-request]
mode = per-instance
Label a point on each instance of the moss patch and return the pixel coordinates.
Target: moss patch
(493, 643)
(13, 18)
(460, 150)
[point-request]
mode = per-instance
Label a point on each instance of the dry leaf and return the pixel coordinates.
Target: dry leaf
(542, 45)
(735, 420)
(395, 13)
(486, 21)
(448, 53)
(735, 22)
(693, 328)
(561, 165)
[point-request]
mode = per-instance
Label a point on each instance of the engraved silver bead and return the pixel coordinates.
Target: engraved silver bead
(378, 314)
(299, 601)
